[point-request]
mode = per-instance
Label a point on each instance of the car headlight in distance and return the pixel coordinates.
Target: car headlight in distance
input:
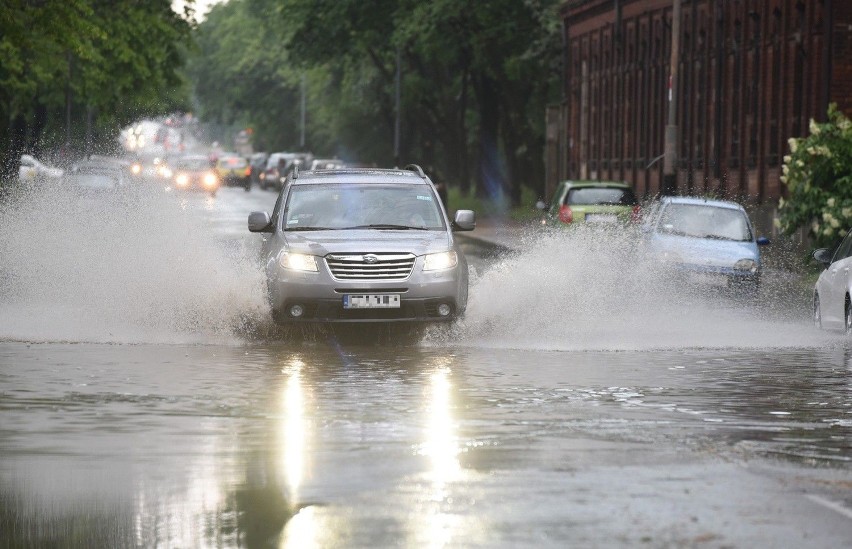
(441, 261)
(298, 262)
(746, 265)
(182, 180)
(210, 180)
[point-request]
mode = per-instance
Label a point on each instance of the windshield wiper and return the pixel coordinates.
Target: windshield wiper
(388, 226)
(312, 229)
(717, 237)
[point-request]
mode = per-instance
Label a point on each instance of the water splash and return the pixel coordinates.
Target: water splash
(592, 289)
(136, 266)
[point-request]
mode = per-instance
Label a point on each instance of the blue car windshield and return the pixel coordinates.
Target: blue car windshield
(362, 206)
(704, 221)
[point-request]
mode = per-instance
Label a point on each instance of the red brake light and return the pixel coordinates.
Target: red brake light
(565, 214)
(636, 214)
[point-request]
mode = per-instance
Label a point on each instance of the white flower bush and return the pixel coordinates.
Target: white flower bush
(818, 177)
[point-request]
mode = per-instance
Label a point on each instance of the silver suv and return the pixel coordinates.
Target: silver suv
(362, 245)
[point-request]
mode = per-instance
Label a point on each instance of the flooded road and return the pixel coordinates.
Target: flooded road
(153, 406)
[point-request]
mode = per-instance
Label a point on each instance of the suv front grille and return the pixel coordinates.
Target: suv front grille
(370, 266)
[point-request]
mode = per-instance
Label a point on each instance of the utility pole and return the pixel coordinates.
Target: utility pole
(670, 162)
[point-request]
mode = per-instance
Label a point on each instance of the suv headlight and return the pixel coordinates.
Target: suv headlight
(747, 265)
(298, 262)
(441, 261)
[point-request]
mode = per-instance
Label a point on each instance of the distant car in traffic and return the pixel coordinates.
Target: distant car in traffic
(279, 165)
(32, 168)
(580, 201)
(713, 239)
(832, 307)
(362, 245)
(327, 164)
(257, 163)
(98, 174)
(194, 173)
(234, 171)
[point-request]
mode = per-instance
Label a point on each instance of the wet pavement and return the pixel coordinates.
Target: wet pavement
(572, 417)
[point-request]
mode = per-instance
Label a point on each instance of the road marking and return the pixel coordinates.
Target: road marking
(831, 505)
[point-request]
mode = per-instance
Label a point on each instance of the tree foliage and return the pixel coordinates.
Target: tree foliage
(107, 61)
(475, 79)
(818, 176)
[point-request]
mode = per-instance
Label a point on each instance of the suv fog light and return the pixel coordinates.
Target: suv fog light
(296, 311)
(444, 309)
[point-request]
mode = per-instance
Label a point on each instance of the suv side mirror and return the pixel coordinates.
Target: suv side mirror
(465, 220)
(258, 222)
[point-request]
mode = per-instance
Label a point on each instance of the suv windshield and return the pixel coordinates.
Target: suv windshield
(705, 222)
(601, 195)
(367, 205)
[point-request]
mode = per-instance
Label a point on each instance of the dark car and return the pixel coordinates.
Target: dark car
(257, 163)
(362, 245)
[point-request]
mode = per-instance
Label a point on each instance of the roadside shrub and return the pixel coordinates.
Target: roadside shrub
(818, 177)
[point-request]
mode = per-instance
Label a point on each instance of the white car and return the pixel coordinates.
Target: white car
(832, 306)
(31, 169)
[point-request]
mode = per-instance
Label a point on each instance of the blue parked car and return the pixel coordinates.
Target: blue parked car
(712, 239)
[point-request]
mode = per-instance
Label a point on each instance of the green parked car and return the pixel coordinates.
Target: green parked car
(592, 202)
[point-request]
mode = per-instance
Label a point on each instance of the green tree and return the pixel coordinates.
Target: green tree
(475, 81)
(104, 62)
(818, 177)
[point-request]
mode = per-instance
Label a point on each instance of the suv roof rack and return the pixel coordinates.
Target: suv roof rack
(416, 168)
(295, 174)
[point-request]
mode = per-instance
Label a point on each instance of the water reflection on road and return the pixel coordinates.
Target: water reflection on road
(320, 444)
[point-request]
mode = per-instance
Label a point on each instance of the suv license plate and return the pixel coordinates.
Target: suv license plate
(371, 301)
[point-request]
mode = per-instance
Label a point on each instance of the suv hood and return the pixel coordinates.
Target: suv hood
(321, 243)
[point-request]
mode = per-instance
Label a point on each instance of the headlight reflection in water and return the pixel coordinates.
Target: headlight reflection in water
(293, 430)
(438, 527)
(303, 529)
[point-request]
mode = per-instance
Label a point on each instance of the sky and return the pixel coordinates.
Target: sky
(201, 7)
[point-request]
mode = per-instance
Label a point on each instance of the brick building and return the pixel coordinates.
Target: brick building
(751, 74)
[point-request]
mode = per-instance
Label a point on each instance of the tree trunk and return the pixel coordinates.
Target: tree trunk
(17, 138)
(37, 130)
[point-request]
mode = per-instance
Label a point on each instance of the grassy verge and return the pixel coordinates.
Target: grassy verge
(495, 208)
